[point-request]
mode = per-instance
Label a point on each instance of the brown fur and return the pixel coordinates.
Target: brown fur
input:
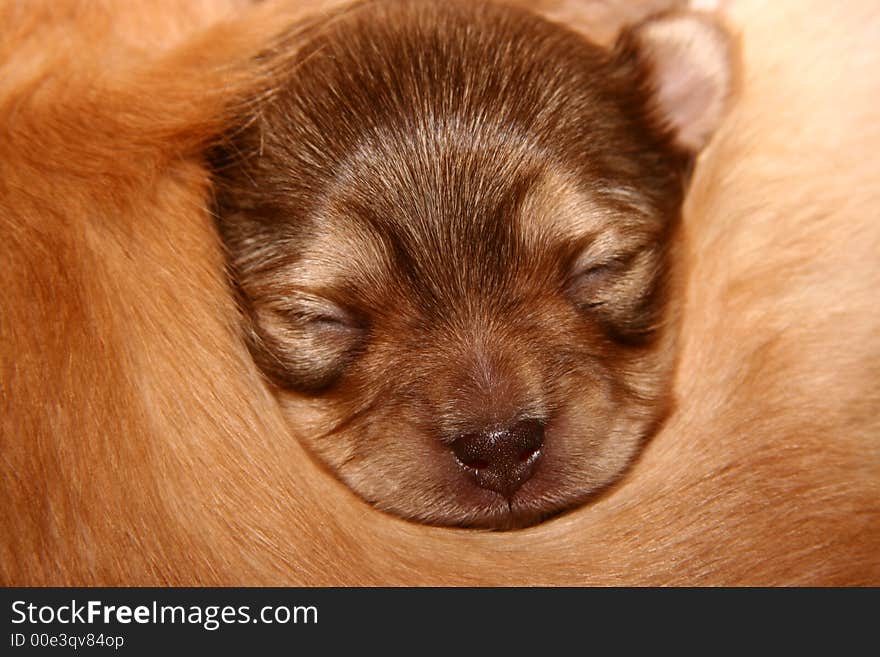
(450, 218)
(139, 446)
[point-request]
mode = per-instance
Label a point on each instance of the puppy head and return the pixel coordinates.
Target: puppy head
(451, 227)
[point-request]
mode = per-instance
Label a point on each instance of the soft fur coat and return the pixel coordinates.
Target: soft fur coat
(139, 445)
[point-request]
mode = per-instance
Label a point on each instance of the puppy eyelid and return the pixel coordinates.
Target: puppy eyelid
(592, 276)
(588, 268)
(590, 280)
(331, 325)
(318, 311)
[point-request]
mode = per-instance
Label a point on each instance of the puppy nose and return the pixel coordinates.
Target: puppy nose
(502, 459)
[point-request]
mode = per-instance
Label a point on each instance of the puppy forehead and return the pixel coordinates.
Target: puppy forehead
(334, 248)
(561, 209)
(554, 213)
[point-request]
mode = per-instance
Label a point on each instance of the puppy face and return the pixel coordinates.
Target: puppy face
(451, 229)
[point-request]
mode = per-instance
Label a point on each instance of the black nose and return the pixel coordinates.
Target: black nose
(502, 459)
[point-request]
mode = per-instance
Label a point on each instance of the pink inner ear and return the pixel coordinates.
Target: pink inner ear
(689, 62)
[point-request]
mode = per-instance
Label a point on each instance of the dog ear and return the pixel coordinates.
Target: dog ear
(686, 61)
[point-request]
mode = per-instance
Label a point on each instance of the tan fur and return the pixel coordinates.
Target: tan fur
(138, 445)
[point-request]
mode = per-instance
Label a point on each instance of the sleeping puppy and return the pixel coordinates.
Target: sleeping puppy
(452, 229)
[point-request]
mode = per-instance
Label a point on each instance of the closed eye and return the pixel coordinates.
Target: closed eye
(308, 340)
(586, 286)
(312, 312)
(329, 326)
(322, 321)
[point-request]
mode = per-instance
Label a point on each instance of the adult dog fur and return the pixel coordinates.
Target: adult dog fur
(140, 446)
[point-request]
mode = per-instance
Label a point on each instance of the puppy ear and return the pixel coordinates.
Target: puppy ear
(686, 61)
